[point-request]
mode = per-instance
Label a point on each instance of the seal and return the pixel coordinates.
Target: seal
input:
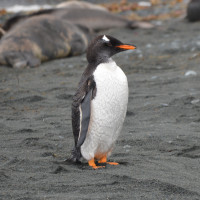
(41, 38)
(68, 6)
(31, 39)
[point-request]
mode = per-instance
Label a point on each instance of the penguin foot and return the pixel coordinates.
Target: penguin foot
(93, 165)
(112, 163)
(104, 160)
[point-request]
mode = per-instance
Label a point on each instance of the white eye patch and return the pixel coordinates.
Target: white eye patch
(105, 38)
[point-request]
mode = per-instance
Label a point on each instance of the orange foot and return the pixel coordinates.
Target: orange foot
(104, 160)
(93, 165)
(112, 163)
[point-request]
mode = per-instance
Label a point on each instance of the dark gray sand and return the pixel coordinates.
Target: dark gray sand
(158, 149)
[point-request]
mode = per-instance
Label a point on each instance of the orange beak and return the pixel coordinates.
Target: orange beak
(126, 46)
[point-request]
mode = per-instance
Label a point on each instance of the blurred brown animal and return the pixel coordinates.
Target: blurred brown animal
(55, 33)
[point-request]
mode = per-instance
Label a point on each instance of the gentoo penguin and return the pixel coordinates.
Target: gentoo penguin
(100, 102)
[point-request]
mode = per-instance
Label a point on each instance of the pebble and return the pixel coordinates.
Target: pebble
(192, 49)
(195, 101)
(144, 3)
(140, 56)
(157, 23)
(164, 104)
(84, 59)
(70, 66)
(139, 53)
(149, 45)
(154, 77)
(190, 73)
(126, 146)
(195, 55)
(198, 43)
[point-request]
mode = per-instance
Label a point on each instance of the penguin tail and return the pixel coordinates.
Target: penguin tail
(75, 155)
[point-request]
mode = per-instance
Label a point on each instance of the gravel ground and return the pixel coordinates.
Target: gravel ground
(158, 149)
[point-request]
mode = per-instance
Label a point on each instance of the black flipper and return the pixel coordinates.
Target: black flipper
(85, 109)
(81, 113)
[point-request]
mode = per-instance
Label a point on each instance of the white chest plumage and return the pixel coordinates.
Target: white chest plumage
(108, 110)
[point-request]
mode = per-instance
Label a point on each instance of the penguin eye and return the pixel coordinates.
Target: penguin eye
(108, 44)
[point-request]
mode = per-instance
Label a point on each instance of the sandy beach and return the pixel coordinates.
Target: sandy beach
(158, 149)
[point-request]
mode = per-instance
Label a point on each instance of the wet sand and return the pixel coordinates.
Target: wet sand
(158, 149)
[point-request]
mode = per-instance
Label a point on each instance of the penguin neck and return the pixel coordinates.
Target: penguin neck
(109, 65)
(102, 60)
(92, 66)
(108, 62)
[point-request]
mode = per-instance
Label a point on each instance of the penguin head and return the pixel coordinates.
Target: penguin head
(103, 47)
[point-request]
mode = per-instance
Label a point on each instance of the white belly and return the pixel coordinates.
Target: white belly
(108, 110)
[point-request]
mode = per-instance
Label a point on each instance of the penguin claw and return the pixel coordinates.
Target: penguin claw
(93, 165)
(104, 160)
(112, 163)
